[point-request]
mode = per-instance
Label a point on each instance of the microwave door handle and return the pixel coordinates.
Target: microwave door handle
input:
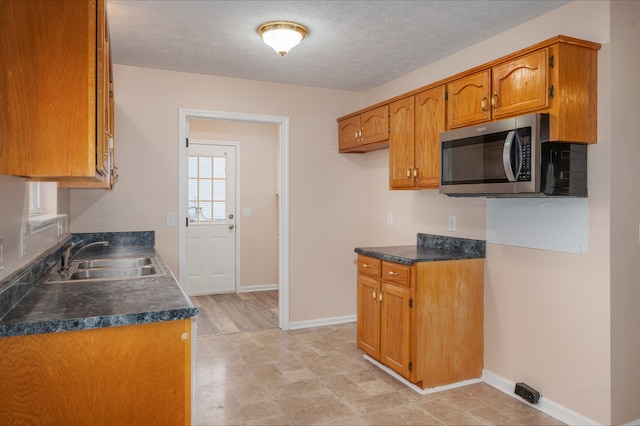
(506, 156)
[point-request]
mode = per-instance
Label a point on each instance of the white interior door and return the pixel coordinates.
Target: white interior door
(211, 230)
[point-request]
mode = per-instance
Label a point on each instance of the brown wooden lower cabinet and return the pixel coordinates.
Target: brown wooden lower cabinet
(423, 321)
(137, 374)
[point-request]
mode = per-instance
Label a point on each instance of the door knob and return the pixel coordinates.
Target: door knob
(231, 226)
(231, 216)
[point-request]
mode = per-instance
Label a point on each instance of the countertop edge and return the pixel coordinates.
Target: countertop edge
(95, 323)
(378, 253)
(428, 248)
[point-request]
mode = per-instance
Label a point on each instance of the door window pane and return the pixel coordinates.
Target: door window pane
(207, 189)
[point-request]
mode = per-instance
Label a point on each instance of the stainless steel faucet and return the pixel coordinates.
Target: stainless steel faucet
(66, 253)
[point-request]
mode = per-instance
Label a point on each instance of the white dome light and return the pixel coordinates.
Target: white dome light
(282, 36)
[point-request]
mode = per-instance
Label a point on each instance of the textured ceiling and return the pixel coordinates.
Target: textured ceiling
(352, 45)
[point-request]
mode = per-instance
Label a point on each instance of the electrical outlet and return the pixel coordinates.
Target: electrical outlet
(246, 212)
(389, 218)
(452, 223)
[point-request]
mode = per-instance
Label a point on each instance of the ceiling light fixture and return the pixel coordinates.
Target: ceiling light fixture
(282, 36)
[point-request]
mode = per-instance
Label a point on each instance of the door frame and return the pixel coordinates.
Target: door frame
(283, 199)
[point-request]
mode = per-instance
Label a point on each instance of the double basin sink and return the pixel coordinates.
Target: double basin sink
(107, 269)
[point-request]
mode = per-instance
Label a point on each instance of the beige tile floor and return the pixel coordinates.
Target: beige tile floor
(317, 376)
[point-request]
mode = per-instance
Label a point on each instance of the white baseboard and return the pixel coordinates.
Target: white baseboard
(266, 287)
(416, 388)
(633, 423)
(545, 405)
(296, 325)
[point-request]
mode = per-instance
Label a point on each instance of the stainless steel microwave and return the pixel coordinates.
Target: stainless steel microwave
(511, 158)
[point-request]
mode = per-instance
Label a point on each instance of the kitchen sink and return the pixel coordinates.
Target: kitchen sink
(108, 269)
(88, 274)
(128, 262)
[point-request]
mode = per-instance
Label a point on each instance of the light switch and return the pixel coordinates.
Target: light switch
(246, 212)
(171, 219)
(389, 218)
(23, 241)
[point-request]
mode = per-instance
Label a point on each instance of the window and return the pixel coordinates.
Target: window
(35, 198)
(43, 207)
(207, 186)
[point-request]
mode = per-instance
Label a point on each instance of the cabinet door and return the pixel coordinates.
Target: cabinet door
(375, 125)
(520, 86)
(468, 100)
(48, 120)
(369, 316)
(105, 118)
(395, 327)
(348, 133)
(401, 152)
(430, 122)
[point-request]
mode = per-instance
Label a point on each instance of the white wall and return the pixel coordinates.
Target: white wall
(326, 188)
(625, 211)
(547, 314)
(257, 180)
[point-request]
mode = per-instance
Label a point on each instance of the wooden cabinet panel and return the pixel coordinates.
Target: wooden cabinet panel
(401, 152)
(138, 374)
(369, 266)
(414, 141)
(50, 127)
(430, 122)
(375, 125)
(520, 86)
(364, 132)
(468, 100)
(348, 133)
(105, 119)
(395, 327)
(573, 113)
(449, 329)
(395, 272)
(369, 315)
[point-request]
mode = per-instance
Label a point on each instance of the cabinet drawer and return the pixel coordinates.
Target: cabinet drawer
(396, 272)
(369, 266)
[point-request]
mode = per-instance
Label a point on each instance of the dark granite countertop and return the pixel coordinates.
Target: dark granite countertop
(56, 307)
(428, 248)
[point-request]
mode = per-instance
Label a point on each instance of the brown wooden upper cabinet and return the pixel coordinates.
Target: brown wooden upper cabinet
(508, 89)
(558, 78)
(414, 153)
(364, 132)
(56, 88)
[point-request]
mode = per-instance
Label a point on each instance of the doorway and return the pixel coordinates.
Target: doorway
(211, 223)
(282, 188)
